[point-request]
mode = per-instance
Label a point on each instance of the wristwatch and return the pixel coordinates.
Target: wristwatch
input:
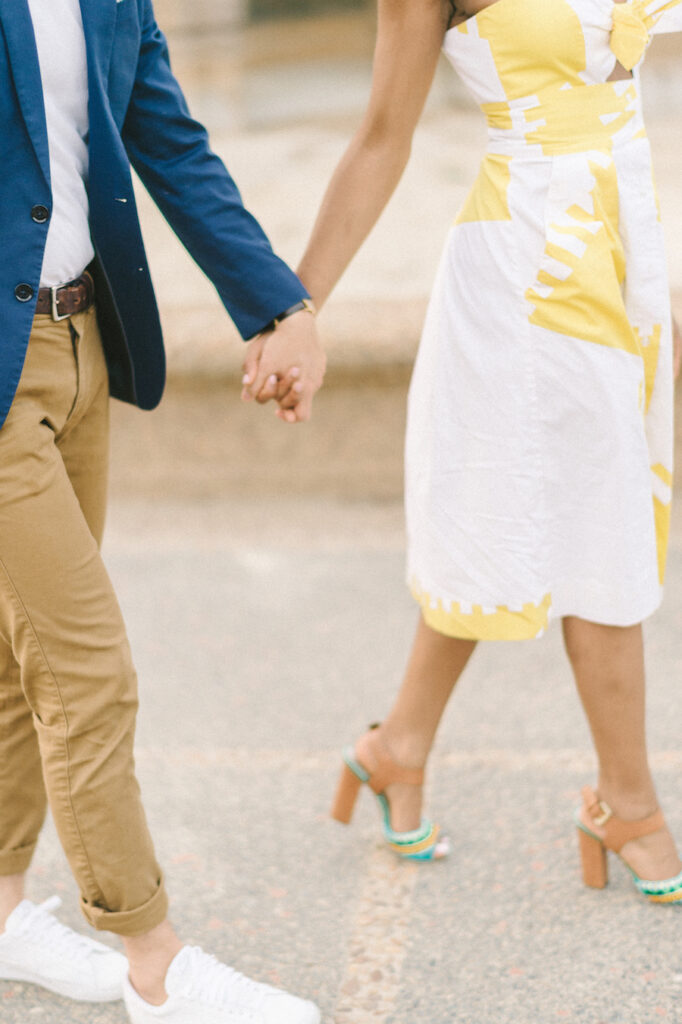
(304, 306)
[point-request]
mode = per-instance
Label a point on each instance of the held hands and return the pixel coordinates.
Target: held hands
(285, 365)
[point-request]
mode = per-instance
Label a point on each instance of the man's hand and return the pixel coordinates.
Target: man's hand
(286, 365)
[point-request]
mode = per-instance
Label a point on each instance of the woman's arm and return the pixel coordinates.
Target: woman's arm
(409, 38)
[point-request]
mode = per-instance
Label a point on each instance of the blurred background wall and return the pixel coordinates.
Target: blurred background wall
(213, 14)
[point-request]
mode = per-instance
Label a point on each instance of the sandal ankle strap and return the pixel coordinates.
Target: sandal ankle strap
(372, 754)
(618, 832)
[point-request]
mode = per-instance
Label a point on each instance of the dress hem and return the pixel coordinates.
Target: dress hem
(475, 622)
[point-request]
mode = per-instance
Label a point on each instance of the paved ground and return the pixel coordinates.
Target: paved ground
(267, 634)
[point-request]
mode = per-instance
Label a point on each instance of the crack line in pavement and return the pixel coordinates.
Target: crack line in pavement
(378, 942)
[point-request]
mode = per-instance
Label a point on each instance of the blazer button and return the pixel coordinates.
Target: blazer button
(23, 292)
(40, 214)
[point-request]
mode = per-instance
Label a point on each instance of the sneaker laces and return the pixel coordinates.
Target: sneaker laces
(45, 930)
(213, 982)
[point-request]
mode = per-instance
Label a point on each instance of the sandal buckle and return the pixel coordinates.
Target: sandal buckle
(606, 813)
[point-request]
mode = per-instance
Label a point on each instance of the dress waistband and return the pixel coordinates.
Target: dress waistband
(570, 120)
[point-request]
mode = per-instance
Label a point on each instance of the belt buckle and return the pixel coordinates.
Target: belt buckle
(56, 315)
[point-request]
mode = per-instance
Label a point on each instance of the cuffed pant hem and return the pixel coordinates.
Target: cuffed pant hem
(16, 862)
(129, 922)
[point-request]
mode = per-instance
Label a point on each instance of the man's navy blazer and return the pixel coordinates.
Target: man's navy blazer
(137, 115)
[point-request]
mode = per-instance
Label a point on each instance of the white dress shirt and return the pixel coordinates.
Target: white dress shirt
(60, 41)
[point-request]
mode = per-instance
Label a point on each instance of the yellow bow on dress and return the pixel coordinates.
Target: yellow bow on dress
(630, 33)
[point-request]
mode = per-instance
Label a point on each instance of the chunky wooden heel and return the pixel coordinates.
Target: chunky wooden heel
(346, 795)
(600, 830)
(593, 858)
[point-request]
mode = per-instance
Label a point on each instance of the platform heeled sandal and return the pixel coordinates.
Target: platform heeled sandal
(370, 762)
(594, 813)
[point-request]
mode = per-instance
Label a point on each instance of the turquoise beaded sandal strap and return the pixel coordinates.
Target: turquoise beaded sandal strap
(667, 891)
(348, 755)
(419, 844)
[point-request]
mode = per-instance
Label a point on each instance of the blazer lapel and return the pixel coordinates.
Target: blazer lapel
(99, 21)
(23, 57)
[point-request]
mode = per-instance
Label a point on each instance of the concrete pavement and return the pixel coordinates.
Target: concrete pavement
(266, 635)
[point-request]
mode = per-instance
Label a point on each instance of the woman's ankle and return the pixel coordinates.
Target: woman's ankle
(407, 747)
(631, 803)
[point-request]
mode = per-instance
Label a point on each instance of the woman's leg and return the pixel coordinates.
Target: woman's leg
(435, 664)
(608, 664)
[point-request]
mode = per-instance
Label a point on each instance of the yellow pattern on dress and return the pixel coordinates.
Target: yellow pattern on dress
(649, 350)
(526, 65)
(568, 304)
(630, 36)
(633, 23)
(662, 513)
(539, 448)
(488, 200)
(479, 624)
(571, 120)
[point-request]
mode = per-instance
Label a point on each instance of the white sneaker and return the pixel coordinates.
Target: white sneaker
(201, 990)
(36, 947)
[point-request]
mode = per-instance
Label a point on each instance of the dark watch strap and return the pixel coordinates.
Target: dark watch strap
(305, 305)
(297, 307)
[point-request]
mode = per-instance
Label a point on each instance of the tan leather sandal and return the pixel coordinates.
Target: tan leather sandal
(369, 762)
(593, 814)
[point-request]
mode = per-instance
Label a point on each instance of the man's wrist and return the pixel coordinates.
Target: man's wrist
(303, 306)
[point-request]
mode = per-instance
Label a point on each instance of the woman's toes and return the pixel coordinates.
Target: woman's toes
(443, 848)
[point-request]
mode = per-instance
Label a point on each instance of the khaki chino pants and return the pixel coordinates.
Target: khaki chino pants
(68, 690)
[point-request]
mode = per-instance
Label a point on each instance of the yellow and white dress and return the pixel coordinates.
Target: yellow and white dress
(539, 442)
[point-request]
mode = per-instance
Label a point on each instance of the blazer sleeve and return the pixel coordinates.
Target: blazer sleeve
(193, 189)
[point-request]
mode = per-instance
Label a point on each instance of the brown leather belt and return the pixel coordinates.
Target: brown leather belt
(67, 299)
